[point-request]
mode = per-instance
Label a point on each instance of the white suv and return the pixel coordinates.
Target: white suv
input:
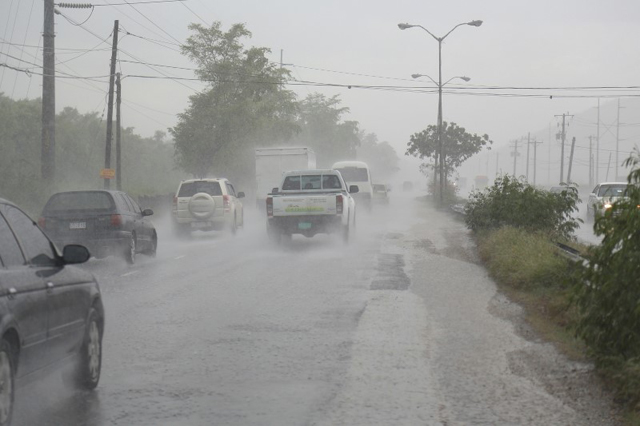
(207, 204)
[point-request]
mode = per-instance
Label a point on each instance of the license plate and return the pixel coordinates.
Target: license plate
(304, 225)
(199, 224)
(78, 225)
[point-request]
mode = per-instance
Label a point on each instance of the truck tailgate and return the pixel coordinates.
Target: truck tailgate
(304, 205)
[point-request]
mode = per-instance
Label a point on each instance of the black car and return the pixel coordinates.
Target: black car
(50, 312)
(106, 222)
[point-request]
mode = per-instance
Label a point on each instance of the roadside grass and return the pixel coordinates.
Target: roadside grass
(528, 269)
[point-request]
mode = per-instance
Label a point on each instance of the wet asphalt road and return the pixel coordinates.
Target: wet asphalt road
(401, 327)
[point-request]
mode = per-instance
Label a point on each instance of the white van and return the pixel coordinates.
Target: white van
(357, 173)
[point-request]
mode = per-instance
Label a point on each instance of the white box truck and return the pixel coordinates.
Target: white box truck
(271, 163)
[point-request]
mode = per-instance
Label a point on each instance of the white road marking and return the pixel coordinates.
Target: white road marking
(129, 273)
(180, 257)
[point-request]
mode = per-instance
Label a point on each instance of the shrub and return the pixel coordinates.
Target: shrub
(608, 285)
(515, 203)
(607, 293)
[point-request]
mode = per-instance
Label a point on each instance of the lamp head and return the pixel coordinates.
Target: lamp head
(476, 23)
(405, 26)
(465, 78)
(416, 75)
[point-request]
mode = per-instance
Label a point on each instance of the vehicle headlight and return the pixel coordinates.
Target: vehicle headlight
(607, 206)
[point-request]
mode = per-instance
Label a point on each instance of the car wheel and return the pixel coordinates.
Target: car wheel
(234, 226)
(130, 250)
(89, 365)
(7, 376)
(154, 245)
(345, 234)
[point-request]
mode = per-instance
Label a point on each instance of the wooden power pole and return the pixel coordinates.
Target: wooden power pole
(118, 135)
(112, 74)
(47, 155)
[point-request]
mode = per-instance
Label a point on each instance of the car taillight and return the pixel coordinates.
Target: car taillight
(116, 220)
(41, 222)
(339, 204)
(226, 201)
(269, 207)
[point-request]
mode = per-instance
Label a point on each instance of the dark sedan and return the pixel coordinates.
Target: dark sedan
(50, 312)
(106, 222)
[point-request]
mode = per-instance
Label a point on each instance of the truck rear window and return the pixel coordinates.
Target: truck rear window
(309, 182)
(189, 189)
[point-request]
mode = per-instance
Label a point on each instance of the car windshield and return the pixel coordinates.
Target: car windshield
(189, 189)
(354, 174)
(612, 190)
(90, 200)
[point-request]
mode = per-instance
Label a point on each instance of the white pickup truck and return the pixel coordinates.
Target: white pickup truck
(311, 202)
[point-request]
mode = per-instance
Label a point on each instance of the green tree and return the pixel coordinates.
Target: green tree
(458, 145)
(322, 129)
(243, 106)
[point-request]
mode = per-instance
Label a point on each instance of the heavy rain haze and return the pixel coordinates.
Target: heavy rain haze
(546, 45)
(362, 296)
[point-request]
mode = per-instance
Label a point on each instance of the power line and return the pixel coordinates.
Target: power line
(197, 16)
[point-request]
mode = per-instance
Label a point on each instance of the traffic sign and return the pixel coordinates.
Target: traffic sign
(107, 173)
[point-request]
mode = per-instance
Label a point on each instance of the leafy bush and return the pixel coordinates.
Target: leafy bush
(515, 203)
(608, 285)
(607, 293)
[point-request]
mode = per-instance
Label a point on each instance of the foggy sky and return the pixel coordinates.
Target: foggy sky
(521, 44)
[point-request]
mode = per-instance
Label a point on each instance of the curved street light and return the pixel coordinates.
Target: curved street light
(461, 77)
(405, 26)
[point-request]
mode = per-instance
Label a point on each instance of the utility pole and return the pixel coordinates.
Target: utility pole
(590, 162)
(598, 146)
(497, 163)
(617, 140)
(549, 157)
(573, 145)
(112, 73)
(47, 154)
(528, 145)
(535, 159)
(515, 154)
(118, 139)
(608, 167)
(563, 136)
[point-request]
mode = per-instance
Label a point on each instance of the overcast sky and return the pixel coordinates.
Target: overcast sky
(542, 43)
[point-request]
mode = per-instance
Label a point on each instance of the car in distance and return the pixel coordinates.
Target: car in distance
(380, 194)
(106, 222)
(51, 313)
(603, 196)
(207, 204)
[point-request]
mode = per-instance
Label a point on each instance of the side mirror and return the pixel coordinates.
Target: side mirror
(147, 212)
(353, 189)
(240, 194)
(274, 191)
(74, 253)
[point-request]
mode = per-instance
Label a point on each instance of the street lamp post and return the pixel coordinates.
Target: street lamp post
(475, 23)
